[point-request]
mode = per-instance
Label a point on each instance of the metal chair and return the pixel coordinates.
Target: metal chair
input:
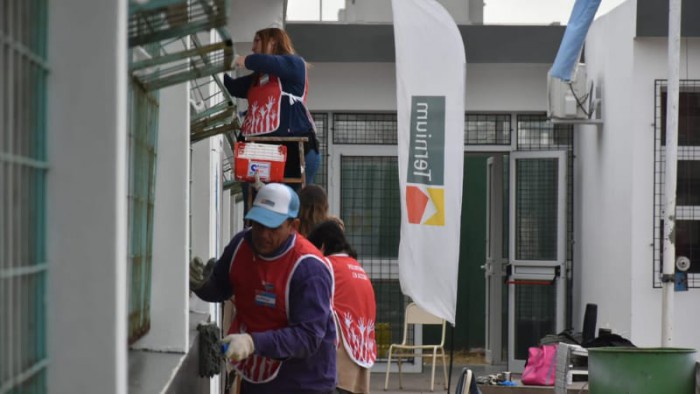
(416, 315)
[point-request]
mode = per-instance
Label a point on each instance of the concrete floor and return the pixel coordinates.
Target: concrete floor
(420, 382)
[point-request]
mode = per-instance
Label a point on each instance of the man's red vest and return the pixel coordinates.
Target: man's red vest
(261, 290)
(355, 309)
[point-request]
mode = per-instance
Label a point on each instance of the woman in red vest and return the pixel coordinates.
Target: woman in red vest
(354, 307)
(276, 92)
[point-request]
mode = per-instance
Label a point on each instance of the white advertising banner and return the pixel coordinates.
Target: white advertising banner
(430, 89)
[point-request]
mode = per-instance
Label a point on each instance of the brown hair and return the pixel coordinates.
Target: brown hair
(331, 237)
(313, 207)
(283, 44)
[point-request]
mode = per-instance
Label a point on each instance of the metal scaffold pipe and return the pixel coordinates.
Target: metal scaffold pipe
(669, 246)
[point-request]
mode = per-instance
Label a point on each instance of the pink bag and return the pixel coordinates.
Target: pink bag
(541, 366)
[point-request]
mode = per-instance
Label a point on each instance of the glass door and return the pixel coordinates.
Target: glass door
(536, 273)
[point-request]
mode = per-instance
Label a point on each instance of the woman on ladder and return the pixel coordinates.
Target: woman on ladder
(276, 93)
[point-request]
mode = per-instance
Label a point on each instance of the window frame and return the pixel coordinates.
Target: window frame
(24, 166)
(685, 153)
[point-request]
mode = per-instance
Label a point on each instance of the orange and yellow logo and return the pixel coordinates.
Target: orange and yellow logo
(425, 205)
(425, 178)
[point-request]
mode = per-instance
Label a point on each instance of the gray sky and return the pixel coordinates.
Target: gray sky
(495, 11)
(535, 11)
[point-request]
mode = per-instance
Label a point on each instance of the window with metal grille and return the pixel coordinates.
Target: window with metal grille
(536, 132)
(369, 205)
(377, 129)
(688, 178)
(369, 195)
(536, 210)
(487, 129)
(23, 168)
(143, 134)
(534, 315)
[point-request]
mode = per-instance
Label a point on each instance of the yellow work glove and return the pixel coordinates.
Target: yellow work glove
(197, 278)
(238, 346)
(199, 273)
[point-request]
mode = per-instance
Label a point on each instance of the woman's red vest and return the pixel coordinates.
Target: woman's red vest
(264, 103)
(355, 309)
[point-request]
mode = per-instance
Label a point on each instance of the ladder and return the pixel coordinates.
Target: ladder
(302, 163)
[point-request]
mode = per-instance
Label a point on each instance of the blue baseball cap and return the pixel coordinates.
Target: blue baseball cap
(274, 203)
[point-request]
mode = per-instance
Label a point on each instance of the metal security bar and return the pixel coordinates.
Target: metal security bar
(369, 195)
(23, 168)
(174, 19)
(487, 129)
(688, 185)
(378, 129)
(321, 121)
(212, 109)
(143, 143)
(165, 69)
(164, 36)
(218, 119)
(369, 205)
(168, 21)
(536, 132)
(534, 311)
(536, 210)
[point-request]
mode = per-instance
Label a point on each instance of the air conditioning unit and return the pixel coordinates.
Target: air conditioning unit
(570, 100)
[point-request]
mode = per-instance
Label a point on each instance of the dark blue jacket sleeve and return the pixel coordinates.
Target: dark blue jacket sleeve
(309, 314)
(238, 87)
(218, 287)
(289, 68)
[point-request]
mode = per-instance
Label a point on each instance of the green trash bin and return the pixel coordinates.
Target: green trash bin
(618, 370)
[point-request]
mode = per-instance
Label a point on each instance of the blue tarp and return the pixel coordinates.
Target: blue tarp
(575, 35)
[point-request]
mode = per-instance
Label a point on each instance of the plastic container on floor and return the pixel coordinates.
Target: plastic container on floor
(618, 370)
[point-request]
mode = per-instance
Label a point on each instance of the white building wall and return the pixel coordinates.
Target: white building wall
(603, 185)
(204, 179)
(372, 87)
(205, 183)
(651, 64)
(87, 197)
(506, 87)
(236, 214)
(615, 189)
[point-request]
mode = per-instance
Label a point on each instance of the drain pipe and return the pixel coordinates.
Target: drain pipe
(669, 245)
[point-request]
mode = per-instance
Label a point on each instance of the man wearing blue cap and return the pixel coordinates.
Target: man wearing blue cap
(282, 338)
